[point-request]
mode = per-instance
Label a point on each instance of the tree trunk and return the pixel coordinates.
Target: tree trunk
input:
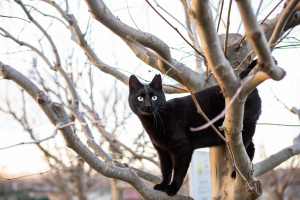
(222, 185)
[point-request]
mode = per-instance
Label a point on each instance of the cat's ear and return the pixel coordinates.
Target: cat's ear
(156, 82)
(134, 83)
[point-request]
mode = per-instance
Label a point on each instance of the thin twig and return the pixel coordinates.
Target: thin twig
(8, 179)
(279, 100)
(283, 37)
(199, 110)
(227, 29)
(67, 6)
(190, 34)
(38, 141)
(259, 6)
(216, 10)
(176, 30)
(46, 15)
(52, 136)
(238, 46)
(57, 58)
(220, 15)
(15, 18)
(21, 43)
(248, 56)
(270, 12)
(284, 17)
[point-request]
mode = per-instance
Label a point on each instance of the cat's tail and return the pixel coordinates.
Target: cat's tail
(244, 73)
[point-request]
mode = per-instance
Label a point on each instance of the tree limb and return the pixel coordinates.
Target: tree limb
(101, 13)
(284, 17)
(278, 158)
(258, 41)
(78, 37)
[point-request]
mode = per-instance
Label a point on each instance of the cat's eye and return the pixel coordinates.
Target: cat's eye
(154, 98)
(140, 98)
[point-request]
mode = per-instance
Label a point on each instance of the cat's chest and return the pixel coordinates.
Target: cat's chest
(159, 137)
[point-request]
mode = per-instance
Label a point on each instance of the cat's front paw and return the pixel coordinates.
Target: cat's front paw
(171, 190)
(160, 187)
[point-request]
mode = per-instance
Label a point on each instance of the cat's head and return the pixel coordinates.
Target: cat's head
(146, 99)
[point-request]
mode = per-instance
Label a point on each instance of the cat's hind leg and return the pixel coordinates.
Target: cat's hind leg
(250, 150)
(181, 162)
(166, 166)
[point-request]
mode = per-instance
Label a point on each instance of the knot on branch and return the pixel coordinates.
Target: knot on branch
(42, 98)
(148, 58)
(233, 131)
(116, 163)
(222, 128)
(256, 35)
(3, 71)
(192, 12)
(109, 171)
(132, 171)
(150, 39)
(60, 112)
(264, 66)
(224, 91)
(71, 19)
(125, 165)
(89, 142)
(290, 151)
(256, 189)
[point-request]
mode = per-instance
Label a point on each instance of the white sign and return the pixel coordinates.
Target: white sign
(199, 180)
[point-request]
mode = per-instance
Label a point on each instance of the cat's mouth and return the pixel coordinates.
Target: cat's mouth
(147, 112)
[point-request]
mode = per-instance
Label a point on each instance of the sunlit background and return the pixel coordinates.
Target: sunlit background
(110, 96)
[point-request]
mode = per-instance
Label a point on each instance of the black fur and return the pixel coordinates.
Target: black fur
(168, 124)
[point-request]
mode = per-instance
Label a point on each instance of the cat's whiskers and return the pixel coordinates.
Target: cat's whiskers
(163, 111)
(155, 120)
(161, 121)
(161, 115)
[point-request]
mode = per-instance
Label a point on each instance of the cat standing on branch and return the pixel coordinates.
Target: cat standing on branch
(168, 125)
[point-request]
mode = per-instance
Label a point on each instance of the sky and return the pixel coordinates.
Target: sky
(113, 51)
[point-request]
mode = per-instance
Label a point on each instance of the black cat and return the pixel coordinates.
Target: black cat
(168, 124)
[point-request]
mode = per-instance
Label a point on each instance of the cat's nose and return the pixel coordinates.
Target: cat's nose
(148, 105)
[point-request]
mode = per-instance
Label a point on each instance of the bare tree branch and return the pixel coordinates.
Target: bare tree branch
(258, 40)
(78, 37)
(284, 17)
(227, 28)
(21, 43)
(100, 12)
(276, 159)
(176, 30)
